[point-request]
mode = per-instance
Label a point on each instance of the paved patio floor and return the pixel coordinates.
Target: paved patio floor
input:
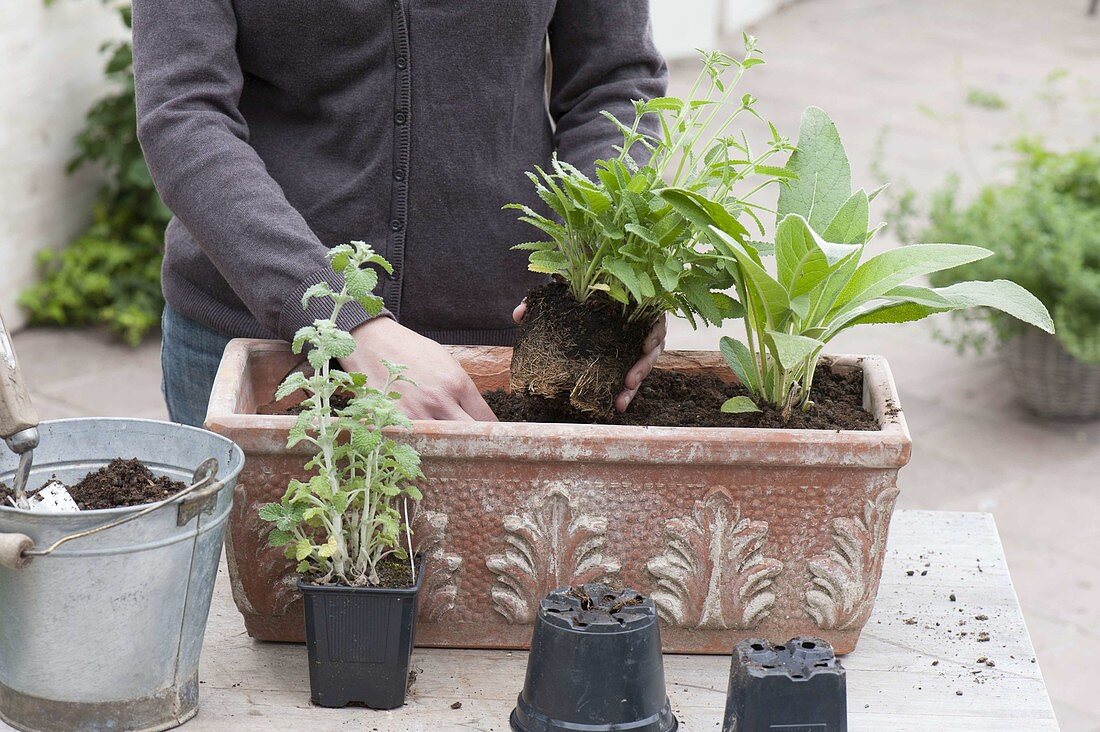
(873, 64)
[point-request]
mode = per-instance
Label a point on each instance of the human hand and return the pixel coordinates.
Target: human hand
(438, 388)
(651, 351)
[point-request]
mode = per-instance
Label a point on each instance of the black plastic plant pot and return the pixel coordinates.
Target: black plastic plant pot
(796, 686)
(595, 665)
(360, 641)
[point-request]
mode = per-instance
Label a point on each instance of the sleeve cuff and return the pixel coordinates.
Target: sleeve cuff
(293, 317)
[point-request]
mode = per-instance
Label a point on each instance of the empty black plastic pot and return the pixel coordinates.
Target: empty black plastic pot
(359, 641)
(796, 686)
(595, 665)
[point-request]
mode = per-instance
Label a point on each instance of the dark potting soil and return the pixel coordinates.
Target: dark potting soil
(606, 598)
(120, 483)
(576, 351)
(674, 399)
(393, 573)
(338, 400)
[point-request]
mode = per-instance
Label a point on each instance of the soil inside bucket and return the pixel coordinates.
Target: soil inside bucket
(120, 483)
(673, 399)
(576, 353)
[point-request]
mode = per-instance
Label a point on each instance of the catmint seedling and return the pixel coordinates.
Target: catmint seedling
(346, 519)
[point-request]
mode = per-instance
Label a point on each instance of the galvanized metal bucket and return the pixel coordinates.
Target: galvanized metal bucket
(104, 633)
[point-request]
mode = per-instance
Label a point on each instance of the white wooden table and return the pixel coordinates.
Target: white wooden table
(919, 651)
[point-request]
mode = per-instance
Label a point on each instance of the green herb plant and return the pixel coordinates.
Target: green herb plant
(342, 523)
(818, 286)
(615, 234)
(110, 273)
(1044, 224)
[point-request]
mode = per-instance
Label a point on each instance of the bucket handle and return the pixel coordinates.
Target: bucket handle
(202, 488)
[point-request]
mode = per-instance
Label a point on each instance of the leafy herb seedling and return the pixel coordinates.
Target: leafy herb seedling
(625, 253)
(343, 522)
(818, 286)
(615, 234)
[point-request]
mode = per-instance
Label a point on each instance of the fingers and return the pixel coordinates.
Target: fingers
(451, 411)
(645, 364)
(475, 406)
(622, 401)
(457, 400)
(519, 312)
(431, 407)
(656, 336)
(637, 374)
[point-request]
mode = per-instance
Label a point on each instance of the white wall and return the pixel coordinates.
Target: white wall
(50, 73)
(681, 26)
(741, 13)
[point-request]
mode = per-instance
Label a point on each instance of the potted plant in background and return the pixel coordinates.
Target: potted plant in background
(1045, 226)
(620, 256)
(344, 526)
(768, 523)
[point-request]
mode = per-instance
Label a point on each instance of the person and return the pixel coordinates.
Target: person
(275, 129)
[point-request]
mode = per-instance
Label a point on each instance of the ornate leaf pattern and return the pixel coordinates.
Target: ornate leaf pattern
(713, 574)
(842, 587)
(437, 597)
(550, 545)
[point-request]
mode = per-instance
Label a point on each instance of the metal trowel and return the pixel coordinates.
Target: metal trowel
(19, 429)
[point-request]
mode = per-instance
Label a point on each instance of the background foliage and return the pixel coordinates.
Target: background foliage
(110, 273)
(1044, 226)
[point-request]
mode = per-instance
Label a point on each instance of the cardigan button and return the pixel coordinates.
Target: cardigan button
(396, 224)
(402, 62)
(400, 118)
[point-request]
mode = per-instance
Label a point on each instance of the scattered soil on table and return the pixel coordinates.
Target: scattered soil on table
(673, 399)
(120, 483)
(575, 352)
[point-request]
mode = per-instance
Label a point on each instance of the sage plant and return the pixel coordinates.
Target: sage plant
(346, 519)
(613, 233)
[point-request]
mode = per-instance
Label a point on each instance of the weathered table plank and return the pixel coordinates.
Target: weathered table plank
(920, 649)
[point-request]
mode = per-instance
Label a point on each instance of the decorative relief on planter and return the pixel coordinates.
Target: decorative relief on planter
(550, 545)
(437, 597)
(254, 488)
(713, 574)
(842, 589)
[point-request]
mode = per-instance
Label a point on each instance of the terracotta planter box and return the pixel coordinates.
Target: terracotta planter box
(735, 533)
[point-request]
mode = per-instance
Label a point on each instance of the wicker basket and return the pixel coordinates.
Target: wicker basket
(1048, 380)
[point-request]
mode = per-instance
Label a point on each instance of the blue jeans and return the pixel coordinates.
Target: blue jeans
(189, 357)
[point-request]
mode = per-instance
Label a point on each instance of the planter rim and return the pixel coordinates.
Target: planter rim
(304, 586)
(888, 446)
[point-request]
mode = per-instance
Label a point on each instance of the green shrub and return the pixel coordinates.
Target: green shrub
(110, 273)
(1044, 226)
